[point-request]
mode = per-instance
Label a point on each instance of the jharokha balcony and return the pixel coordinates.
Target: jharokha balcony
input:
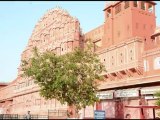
(123, 61)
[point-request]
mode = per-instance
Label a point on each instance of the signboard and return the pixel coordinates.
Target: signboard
(127, 93)
(150, 97)
(145, 91)
(99, 114)
(105, 95)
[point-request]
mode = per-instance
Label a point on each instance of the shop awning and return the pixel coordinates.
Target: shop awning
(105, 94)
(132, 92)
(149, 90)
(142, 106)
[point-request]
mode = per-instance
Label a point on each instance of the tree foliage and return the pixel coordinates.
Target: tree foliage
(70, 78)
(157, 94)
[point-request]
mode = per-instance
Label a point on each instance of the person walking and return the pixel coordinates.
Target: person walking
(28, 115)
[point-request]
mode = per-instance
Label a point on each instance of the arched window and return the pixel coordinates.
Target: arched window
(109, 13)
(118, 9)
(135, 3)
(157, 63)
(143, 6)
(150, 8)
(126, 5)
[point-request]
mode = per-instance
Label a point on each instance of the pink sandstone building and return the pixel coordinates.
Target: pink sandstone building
(128, 43)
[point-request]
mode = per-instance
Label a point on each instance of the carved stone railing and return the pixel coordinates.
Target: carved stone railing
(124, 58)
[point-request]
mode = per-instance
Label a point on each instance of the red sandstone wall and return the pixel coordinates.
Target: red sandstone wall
(96, 36)
(60, 32)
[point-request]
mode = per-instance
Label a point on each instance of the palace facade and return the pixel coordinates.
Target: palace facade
(128, 43)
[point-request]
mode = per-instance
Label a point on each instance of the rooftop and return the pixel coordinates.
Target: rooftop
(113, 3)
(156, 33)
(3, 83)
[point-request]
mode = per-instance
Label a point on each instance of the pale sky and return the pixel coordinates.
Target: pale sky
(17, 20)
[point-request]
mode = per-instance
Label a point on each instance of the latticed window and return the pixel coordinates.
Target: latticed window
(108, 12)
(135, 3)
(143, 5)
(118, 8)
(126, 4)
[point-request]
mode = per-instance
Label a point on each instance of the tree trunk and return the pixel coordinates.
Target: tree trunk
(84, 112)
(72, 111)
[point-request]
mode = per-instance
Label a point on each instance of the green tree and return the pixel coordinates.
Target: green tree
(71, 78)
(157, 94)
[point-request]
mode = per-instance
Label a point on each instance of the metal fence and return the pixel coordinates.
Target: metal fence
(16, 116)
(57, 114)
(8, 116)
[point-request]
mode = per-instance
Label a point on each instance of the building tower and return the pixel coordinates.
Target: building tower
(127, 19)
